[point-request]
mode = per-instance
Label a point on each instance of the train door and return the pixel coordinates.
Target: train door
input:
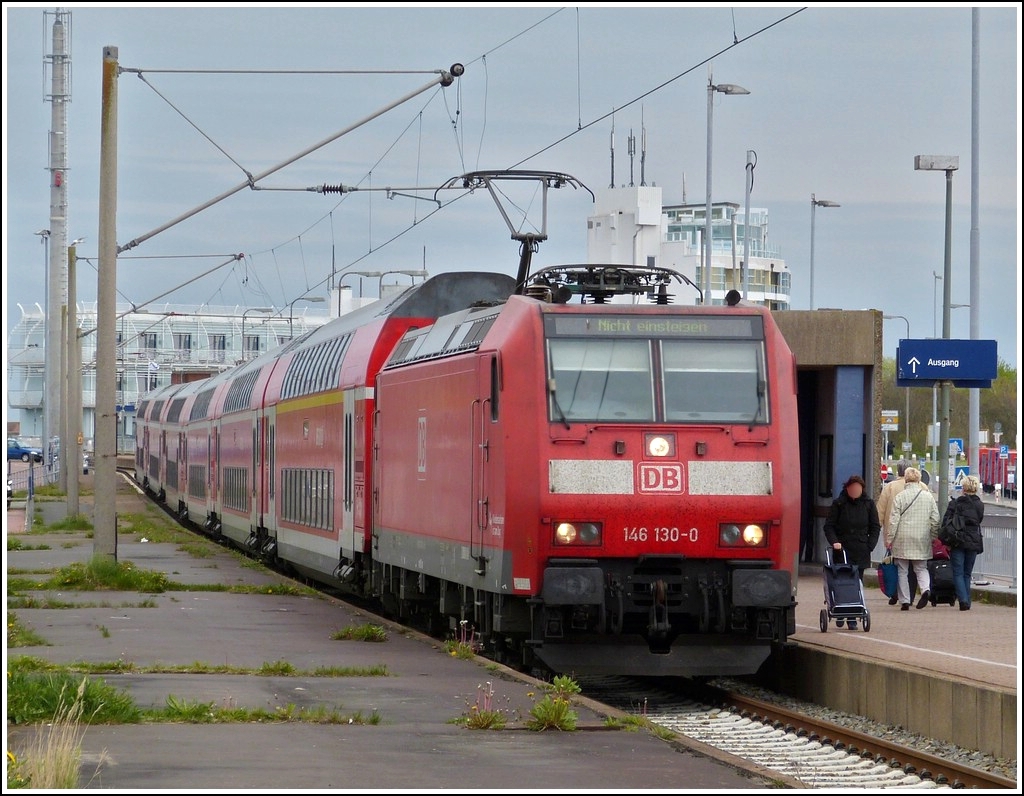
(182, 466)
(270, 467)
(215, 504)
(484, 415)
(256, 470)
(162, 466)
(351, 492)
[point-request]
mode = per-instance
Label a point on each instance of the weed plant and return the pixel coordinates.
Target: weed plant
(20, 636)
(52, 756)
(367, 632)
(483, 715)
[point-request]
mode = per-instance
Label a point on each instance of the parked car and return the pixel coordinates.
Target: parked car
(18, 450)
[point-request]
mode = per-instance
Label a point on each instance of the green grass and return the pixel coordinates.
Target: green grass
(74, 522)
(14, 543)
(52, 756)
(38, 696)
(367, 632)
(20, 636)
(30, 663)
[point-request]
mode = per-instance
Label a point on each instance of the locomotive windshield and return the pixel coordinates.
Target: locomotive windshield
(676, 370)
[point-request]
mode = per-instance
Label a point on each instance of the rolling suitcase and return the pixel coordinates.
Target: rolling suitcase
(941, 573)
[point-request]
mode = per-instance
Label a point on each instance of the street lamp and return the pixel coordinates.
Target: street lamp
(948, 164)
(906, 426)
(722, 88)
(49, 366)
(815, 203)
(315, 299)
(251, 309)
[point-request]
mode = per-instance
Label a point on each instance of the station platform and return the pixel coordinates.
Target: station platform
(937, 671)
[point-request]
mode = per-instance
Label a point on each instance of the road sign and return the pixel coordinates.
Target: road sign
(956, 446)
(890, 420)
(966, 363)
(1004, 451)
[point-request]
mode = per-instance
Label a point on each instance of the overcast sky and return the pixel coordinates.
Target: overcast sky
(841, 100)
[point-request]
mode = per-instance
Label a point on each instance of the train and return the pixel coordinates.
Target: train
(587, 476)
(997, 471)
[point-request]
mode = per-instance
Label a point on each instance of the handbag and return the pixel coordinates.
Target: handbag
(887, 574)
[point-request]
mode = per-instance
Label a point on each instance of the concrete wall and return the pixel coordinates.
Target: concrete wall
(967, 714)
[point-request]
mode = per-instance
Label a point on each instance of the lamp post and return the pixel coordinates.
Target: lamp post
(245, 351)
(815, 203)
(948, 164)
(315, 299)
(722, 88)
(906, 426)
(48, 366)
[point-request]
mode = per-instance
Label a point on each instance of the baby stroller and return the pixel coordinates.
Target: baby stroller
(844, 594)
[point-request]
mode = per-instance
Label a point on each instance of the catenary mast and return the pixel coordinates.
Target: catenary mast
(58, 64)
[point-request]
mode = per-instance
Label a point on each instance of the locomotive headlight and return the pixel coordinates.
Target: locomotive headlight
(733, 535)
(660, 445)
(578, 533)
(753, 535)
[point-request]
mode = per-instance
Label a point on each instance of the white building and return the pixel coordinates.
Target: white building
(156, 346)
(631, 226)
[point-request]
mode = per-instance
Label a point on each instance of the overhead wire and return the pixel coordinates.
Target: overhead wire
(456, 118)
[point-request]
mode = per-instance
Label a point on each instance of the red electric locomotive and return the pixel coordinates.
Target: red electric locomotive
(588, 482)
(597, 485)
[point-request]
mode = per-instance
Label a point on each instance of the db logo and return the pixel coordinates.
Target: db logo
(661, 478)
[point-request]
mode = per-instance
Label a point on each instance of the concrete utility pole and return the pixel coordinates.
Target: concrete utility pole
(105, 516)
(59, 64)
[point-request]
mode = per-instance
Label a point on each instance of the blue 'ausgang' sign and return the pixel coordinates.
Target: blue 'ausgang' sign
(966, 363)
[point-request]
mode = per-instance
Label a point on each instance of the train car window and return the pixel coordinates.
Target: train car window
(201, 406)
(601, 380)
(712, 381)
(240, 392)
(175, 414)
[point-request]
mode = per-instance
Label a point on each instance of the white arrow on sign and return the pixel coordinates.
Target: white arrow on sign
(914, 362)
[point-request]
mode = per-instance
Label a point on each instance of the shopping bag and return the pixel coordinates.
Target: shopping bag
(887, 574)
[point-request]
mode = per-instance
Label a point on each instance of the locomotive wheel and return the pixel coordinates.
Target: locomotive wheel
(823, 620)
(867, 621)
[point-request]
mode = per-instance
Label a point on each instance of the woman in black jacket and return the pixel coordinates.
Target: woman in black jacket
(963, 552)
(853, 525)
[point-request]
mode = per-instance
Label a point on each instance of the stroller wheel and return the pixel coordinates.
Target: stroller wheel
(823, 620)
(867, 622)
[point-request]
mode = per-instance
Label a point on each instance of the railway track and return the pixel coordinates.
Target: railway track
(817, 753)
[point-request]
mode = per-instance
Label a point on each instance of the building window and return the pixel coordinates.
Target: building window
(148, 340)
(218, 346)
(182, 346)
(252, 344)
